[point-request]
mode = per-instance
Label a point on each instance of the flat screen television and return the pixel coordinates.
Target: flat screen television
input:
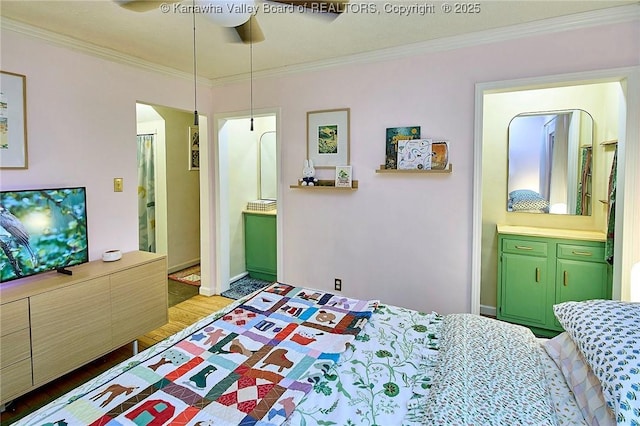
(42, 230)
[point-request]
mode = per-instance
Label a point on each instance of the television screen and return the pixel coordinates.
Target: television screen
(42, 230)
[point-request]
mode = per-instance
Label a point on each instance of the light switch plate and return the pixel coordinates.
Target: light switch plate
(117, 184)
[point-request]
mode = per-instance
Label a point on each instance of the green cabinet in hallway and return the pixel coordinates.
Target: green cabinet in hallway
(536, 272)
(260, 244)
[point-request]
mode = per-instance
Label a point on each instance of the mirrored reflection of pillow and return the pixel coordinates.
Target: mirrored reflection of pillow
(527, 200)
(581, 380)
(608, 336)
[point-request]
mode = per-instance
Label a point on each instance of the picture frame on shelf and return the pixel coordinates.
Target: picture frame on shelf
(439, 154)
(328, 137)
(194, 148)
(414, 154)
(13, 121)
(393, 135)
(344, 177)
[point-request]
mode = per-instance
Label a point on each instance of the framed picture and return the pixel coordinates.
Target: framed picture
(328, 137)
(13, 121)
(194, 148)
(343, 176)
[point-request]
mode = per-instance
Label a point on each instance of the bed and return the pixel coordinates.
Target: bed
(527, 201)
(294, 356)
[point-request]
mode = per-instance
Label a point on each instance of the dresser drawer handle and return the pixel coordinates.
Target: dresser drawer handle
(537, 275)
(566, 278)
(581, 253)
(524, 248)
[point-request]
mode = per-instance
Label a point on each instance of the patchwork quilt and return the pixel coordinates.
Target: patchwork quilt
(251, 365)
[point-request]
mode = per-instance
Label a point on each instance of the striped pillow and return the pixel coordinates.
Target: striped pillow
(581, 380)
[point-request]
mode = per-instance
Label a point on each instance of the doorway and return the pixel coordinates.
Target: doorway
(239, 181)
(626, 252)
(175, 184)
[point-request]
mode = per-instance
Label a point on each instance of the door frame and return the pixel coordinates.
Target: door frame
(219, 226)
(626, 251)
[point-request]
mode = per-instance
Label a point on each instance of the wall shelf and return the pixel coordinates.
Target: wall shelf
(382, 169)
(325, 184)
(610, 142)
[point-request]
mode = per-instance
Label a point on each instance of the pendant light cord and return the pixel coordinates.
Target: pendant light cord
(251, 71)
(195, 73)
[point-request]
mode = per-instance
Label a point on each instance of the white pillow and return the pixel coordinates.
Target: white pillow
(607, 333)
(581, 380)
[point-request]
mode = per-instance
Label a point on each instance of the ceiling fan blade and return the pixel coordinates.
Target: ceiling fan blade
(250, 31)
(141, 5)
(327, 6)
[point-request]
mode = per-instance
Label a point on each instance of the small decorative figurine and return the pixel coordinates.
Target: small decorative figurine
(308, 174)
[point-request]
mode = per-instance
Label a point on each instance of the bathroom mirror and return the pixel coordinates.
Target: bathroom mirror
(268, 181)
(550, 163)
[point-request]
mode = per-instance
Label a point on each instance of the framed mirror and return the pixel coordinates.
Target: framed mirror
(550, 162)
(268, 180)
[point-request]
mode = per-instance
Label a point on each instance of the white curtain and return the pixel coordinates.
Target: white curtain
(146, 194)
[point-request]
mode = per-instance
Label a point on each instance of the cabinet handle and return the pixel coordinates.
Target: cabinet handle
(537, 275)
(582, 253)
(566, 278)
(524, 248)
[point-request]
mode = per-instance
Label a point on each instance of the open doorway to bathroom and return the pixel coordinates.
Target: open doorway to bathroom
(169, 194)
(247, 166)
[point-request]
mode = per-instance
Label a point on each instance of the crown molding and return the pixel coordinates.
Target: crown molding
(94, 50)
(607, 16)
(600, 17)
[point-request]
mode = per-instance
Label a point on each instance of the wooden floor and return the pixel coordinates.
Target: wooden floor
(180, 316)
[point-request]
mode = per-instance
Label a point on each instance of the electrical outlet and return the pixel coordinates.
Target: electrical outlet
(338, 284)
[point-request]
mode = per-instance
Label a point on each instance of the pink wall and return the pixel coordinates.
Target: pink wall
(81, 119)
(403, 239)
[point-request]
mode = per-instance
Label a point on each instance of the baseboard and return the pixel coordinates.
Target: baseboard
(237, 277)
(183, 265)
(488, 310)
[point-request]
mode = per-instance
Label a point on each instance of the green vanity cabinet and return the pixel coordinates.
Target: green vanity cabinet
(525, 298)
(536, 272)
(260, 244)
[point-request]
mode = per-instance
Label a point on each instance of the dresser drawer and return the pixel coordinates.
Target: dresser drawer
(14, 316)
(533, 248)
(580, 252)
(15, 347)
(15, 380)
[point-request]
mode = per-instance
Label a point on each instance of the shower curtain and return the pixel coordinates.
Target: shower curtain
(146, 194)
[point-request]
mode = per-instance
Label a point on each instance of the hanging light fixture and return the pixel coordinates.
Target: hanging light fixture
(195, 72)
(228, 13)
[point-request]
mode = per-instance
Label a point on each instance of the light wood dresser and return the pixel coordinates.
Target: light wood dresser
(52, 323)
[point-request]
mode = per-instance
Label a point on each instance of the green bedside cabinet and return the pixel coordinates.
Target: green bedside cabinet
(539, 267)
(260, 244)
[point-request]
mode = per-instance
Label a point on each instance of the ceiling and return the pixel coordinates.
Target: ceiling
(292, 38)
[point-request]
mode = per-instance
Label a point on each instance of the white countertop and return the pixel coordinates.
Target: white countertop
(535, 231)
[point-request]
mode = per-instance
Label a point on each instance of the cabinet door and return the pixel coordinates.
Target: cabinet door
(524, 289)
(139, 301)
(260, 245)
(576, 280)
(70, 326)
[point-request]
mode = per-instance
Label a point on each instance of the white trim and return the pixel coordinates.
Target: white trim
(237, 277)
(94, 50)
(207, 225)
(221, 219)
(626, 250)
(575, 21)
(488, 310)
(546, 26)
(184, 265)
